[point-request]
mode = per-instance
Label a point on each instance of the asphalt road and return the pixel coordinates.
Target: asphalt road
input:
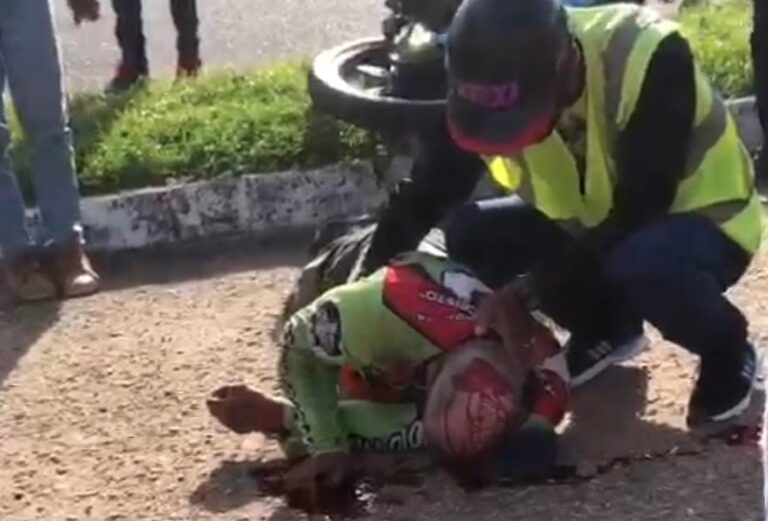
(234, 33)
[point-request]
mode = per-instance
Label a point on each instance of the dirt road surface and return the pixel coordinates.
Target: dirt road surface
(102, 412)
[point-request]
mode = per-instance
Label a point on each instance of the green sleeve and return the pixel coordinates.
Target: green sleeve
(309, 375)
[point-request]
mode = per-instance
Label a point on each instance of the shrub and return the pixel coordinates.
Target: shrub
(719, 34)
(220, 124)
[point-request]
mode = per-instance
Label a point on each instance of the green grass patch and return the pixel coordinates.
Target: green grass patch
(261, 121)
(719, 35)
(221, 124)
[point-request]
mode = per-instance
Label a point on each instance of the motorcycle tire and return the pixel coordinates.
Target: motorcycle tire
(332, 93)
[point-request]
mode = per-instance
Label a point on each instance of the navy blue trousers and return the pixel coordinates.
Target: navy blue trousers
(672, 273)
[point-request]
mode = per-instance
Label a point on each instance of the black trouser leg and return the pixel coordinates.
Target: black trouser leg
(759, 48)
(441, 179)
(185, 19)
(502, 238)
(675, 272)
(130, 35)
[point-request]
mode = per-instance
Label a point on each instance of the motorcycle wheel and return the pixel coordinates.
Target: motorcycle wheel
(350, 82)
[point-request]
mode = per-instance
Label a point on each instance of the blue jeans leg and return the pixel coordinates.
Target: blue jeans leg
(674, 274)
(14, 238)
(31, 58)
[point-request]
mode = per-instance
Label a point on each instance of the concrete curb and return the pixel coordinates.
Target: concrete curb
(265, 204)
(253, 204)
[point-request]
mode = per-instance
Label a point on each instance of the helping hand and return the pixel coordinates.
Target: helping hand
(502, 312)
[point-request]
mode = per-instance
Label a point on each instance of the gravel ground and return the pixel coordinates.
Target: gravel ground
(102, 411)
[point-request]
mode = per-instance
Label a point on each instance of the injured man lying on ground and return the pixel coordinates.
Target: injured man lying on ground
(391, 363)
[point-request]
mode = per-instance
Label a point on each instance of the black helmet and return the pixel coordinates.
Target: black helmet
(505, 61)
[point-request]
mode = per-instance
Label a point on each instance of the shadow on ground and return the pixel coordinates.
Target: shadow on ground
(234, 484)
(20, 329)
(606, 426)
(607, 420)
(200, 260)
(228, 487)
(92, 119)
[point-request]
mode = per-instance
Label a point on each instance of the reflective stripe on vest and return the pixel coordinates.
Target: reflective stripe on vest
(618, 43)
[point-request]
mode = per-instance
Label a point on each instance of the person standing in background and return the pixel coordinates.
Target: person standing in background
(759, 51)
(30, 65)
(134, 65)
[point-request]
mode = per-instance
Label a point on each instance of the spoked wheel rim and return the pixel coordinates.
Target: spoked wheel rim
(351, 82)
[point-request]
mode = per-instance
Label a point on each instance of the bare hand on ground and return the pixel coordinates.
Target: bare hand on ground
(233, 406)
(84, 10)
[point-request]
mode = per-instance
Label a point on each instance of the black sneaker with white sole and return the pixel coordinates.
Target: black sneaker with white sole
(723, 389)
(588, 359)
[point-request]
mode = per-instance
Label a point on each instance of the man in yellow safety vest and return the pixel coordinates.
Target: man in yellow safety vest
(634, 197)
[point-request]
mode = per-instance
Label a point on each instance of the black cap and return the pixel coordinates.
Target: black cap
(504, 59)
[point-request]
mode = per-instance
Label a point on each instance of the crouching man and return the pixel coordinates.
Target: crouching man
(392, 362)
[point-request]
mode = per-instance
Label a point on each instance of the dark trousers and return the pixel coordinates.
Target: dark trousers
(130, 35)
(671, 273)
(759, 48)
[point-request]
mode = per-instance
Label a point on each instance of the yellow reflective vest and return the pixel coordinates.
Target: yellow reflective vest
(618, 43)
